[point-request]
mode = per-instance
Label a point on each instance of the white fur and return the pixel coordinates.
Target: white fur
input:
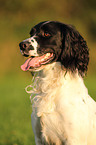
(63, 112)
(34, 43)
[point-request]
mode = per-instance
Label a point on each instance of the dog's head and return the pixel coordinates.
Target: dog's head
(52, 41)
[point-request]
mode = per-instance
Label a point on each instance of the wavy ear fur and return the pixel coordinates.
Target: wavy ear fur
(75, 53)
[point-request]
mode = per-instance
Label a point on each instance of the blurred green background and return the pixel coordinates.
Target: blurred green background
(16, 19)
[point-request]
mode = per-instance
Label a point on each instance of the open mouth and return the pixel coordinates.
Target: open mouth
(37, 62)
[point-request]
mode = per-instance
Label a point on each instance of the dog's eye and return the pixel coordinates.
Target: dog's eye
(46, 34)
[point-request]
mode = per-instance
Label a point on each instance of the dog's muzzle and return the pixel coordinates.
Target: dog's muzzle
(28, 47)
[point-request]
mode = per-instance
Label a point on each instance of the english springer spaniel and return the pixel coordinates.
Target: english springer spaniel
(63, 112)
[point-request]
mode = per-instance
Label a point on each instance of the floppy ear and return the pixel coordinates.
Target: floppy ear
(75, 53)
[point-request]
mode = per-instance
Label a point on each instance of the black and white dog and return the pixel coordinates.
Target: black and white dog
(63, 112)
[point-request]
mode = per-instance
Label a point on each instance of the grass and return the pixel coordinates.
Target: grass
(90, 83)
(15, 110)
(15, 113)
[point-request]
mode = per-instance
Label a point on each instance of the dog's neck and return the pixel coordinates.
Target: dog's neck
(54, 76)
(50, 76)
(51, 82)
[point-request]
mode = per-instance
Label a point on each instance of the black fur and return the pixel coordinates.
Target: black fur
(68, 46)
(75, 54)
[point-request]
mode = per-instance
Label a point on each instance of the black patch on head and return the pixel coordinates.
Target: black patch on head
(69, 46)
(36, 28)
(53, 42)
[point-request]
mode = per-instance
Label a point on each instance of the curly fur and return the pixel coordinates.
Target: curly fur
(75, 52)
(63, 112)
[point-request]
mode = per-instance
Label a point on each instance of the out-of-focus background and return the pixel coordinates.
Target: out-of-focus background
(16, 19)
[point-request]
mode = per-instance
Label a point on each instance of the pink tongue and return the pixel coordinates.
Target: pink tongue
(31, 62)
(26, 65)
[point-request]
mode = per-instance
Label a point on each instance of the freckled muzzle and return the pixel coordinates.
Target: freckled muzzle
(25, 47)
(28, 47)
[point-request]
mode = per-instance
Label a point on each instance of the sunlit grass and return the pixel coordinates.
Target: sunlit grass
(15, 113)
(90, 82)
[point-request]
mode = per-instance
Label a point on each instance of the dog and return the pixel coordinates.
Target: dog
(63, 112)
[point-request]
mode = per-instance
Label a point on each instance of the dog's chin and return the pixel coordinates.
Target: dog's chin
(37, 69)
(38, 63)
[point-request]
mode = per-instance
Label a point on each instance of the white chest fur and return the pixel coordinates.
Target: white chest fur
(61, 111)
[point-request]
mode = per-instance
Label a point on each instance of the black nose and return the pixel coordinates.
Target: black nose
(23, 45)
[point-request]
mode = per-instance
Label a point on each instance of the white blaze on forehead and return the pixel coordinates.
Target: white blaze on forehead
(34, 44)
